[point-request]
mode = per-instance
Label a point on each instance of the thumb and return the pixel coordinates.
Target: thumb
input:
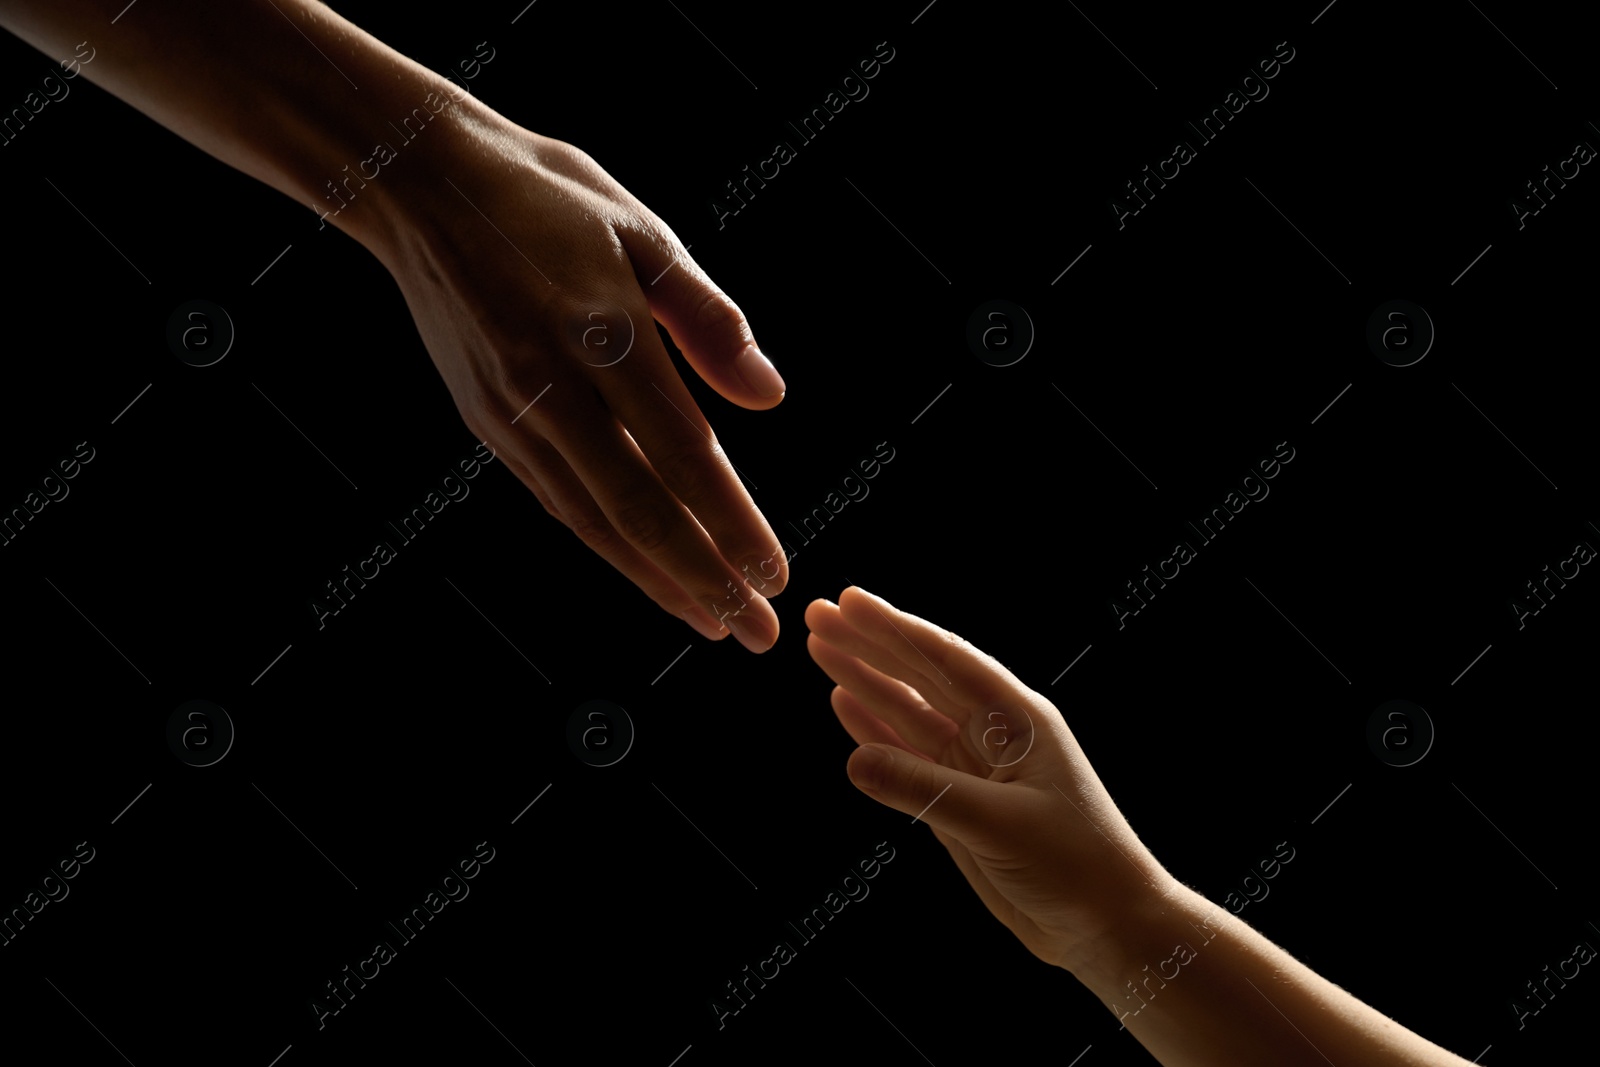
(959, 804)
(704, 323)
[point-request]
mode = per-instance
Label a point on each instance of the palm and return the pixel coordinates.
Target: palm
(1031, 819)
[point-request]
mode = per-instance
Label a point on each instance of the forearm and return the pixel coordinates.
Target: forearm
(283, 90)
(1200, 988)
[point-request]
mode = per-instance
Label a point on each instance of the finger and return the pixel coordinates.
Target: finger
(827, 622)
(547, 475)
(891, 700)
(704, 322)
(648, 398)
(961, 805)
(644, 514)
(990, 742)
(863, 726)
(971, 676)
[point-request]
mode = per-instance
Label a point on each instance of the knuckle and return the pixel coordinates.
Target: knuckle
(592, 529)
(550, 507)
(724, 603)
(654, 228)
(644, 526)
(716, 314)
(668, 246)
(687, 472)
(564, 157)
(920, 782)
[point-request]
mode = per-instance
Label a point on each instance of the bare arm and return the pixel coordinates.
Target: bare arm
(1198, 986)
(279, 89)
(528, 269)
(1042, 843)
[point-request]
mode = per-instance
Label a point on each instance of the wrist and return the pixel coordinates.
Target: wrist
(368, 160)
(1151, 932)
(394, 190)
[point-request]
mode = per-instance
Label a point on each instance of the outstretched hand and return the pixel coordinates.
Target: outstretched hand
(536, 281)
(955, 740)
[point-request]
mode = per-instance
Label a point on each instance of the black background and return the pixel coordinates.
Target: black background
(1224, 718)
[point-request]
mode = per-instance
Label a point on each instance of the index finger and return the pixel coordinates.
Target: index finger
(973, 677)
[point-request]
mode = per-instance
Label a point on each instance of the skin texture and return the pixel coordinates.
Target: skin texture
(949, 736)
(535, 278)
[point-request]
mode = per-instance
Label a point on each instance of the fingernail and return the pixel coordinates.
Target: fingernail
(749, 632)
(703, 624)
(758, 372)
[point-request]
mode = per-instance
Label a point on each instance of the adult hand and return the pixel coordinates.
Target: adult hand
(534, 278)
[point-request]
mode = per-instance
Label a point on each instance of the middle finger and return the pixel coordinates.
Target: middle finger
(631, 495)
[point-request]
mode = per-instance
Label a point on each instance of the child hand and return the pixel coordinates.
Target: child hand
(951, 738)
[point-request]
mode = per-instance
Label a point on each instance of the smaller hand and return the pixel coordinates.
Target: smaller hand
(953, 739)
